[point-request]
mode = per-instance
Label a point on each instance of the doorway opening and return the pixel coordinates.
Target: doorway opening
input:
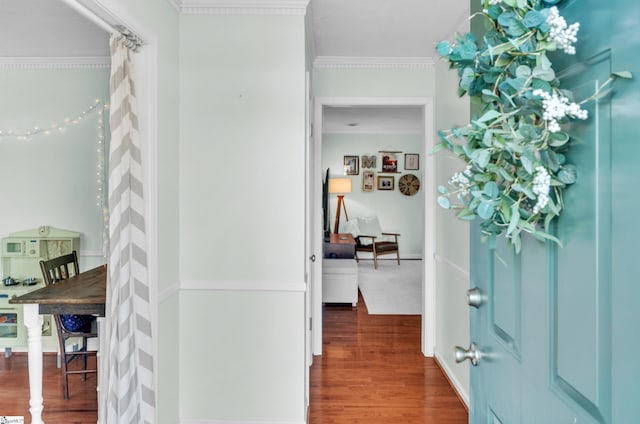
(428, 243)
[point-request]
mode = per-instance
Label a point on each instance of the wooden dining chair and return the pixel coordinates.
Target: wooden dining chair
(69, 326)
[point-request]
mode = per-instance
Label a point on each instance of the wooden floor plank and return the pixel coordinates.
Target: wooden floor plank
(372, 371)
(81, 408)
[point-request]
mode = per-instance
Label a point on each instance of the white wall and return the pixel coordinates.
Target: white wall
(396, 212)
(53, 179)
(242, 150)
(452, 242)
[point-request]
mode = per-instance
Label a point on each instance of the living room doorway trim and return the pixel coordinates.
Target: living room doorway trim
(428, 272)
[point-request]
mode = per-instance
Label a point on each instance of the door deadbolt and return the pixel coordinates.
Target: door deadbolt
(475, 297)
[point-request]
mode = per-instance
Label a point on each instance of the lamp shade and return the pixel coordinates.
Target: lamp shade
(339, 185)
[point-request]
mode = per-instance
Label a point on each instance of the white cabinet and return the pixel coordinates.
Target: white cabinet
(340, 281)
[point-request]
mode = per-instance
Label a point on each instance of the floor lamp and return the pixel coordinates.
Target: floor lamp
(339, 186)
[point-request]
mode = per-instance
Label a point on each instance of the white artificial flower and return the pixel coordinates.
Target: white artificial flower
(461, 180)
(557, 107)
(564, 35)
(541, 184)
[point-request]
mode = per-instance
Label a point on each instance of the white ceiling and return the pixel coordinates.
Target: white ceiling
(393, 30)
(384, 28)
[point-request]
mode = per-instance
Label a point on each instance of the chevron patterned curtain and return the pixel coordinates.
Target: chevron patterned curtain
(126, 359)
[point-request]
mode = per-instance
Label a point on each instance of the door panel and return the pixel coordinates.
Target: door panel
(495, 326)
(559, 323)
(505, 298)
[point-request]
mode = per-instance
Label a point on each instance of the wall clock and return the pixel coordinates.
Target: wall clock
(409, 184)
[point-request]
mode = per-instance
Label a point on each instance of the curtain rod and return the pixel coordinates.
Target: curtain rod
(84, 11)
(134, 40)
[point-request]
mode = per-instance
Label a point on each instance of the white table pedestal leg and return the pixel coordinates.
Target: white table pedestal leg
(33, 322)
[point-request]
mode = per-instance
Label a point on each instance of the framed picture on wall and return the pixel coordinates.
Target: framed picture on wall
(389, 161)
(368, 180)
(386, 182)
(411, 161)
(351, 165)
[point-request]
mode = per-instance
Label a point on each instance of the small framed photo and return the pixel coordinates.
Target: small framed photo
(386, 182)
(389, 162)
(351, 165)
(411, 161)
(368, 180)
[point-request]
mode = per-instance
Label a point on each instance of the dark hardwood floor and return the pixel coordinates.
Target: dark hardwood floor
(372, 371)
(81, 408)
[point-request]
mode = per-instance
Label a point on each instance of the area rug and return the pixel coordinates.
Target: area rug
(391, 289)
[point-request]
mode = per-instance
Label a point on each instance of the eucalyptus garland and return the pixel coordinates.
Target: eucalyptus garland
(515, 150)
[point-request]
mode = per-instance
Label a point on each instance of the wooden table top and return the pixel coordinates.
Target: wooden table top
(341, 238)
(83, 293)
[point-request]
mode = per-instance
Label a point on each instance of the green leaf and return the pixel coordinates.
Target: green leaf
(466, 215)
(568, 174)
(544, 74)
(549, 159)
(481, 178)
(468, 51)
(488, 96)
(490, 115)
(483, 158)
(438, 147)
(443, 48)
(486, 209)
(558, 139)
(506, 175)
(622, 74)
(517, 243)
(540, 235)
(533, 19)
(527, 164)
(543, 62)
(515, 217)
(467, 77)
(444, 202)
(491, 189)
(523, 71)
(525, 190)
(487, 139)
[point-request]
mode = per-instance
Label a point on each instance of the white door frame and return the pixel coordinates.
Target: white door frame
(429, 277)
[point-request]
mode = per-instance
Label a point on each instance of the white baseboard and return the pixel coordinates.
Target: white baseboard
(462, 394)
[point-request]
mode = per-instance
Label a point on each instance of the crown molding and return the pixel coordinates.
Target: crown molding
(249, 7)
(175, 4)
(85, 62)
(346, 62)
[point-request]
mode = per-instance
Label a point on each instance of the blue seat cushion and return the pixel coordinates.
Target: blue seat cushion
(77, 322)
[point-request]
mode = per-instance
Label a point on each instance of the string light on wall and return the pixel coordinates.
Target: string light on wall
(101, 180)
(60, 126)
(101, 151)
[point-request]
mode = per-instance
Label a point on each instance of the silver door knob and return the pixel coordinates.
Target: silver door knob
(472, 354)
(475, 297)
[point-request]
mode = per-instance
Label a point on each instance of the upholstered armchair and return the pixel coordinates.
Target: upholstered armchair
(370, 238)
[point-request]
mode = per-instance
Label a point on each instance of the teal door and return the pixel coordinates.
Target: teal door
(558, 329)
